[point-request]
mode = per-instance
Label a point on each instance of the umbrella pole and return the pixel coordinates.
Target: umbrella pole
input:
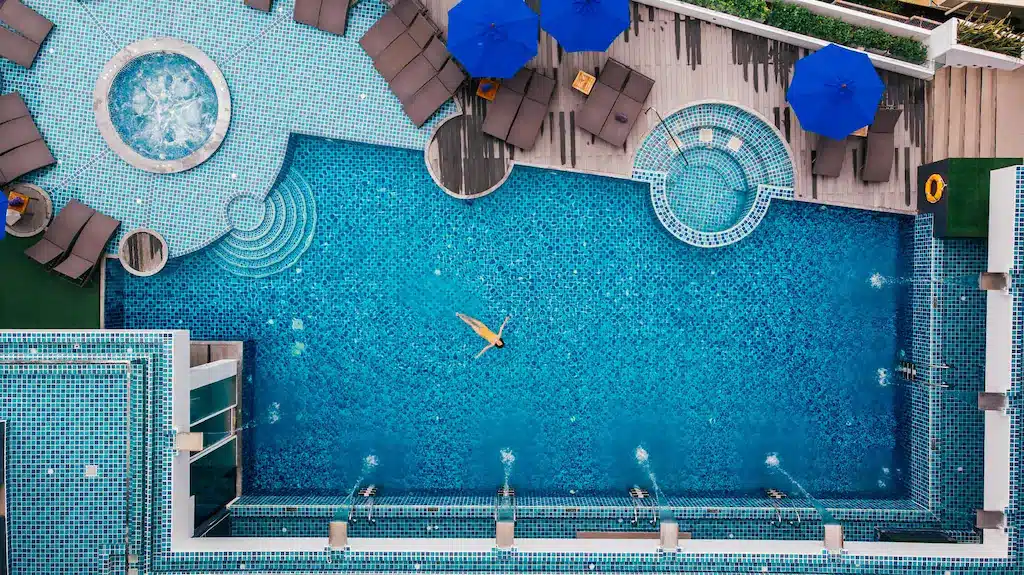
(679, 145)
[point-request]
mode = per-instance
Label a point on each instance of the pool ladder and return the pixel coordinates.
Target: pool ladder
(641, 499)
(368, 495)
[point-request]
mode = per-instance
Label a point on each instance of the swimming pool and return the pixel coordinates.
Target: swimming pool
(621, 336)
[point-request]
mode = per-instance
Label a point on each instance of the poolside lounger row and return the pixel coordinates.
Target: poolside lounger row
(327, 15)
(75, 241)
(30, 29)
(22, 148)
(519, 108)
(407, 51)
(615, 103)
(830, 154)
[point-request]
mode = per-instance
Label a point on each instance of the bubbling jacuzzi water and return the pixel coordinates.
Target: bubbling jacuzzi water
(163, 105)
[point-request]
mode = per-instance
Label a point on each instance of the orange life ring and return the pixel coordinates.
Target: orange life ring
(933, 188)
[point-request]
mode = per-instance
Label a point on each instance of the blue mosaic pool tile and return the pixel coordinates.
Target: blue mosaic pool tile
(284, 78)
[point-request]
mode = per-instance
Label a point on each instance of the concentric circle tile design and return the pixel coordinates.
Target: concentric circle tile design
(276, 242)
(713, 168)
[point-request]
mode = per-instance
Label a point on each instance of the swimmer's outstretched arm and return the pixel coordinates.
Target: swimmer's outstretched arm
(502, 328)
(483, 351)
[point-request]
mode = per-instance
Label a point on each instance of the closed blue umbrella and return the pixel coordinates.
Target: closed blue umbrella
(584, 25)
(492, 38)
(835, 91)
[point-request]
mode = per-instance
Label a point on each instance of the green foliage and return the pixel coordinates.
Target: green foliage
(755, 10)
(802, 21)
(980, 31)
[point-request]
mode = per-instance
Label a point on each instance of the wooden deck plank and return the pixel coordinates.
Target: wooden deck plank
(940, 115)
(957, 87)
(972, 112)
(692, 60)
(1010, 113)
(987, 129)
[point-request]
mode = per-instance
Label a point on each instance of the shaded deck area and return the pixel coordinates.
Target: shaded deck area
(690, 60)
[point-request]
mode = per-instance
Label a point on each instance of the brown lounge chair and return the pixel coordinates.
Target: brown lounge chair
(627, 109)
(12, 107)
(594, 113)
(24, 159)
(17, 49)
(397, 56)
(327, 15)
(25, 21)
(829, 157)
(18, 133)
(61, 232)
(532, 112)
(382, 34)
(429, 99)
(261, 5)
(502, 112)
(881, 146)
(87, 252)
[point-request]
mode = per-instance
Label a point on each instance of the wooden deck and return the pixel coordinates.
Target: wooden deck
(977, 113)
(690, 60)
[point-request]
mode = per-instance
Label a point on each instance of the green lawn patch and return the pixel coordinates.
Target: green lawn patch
(33, 298)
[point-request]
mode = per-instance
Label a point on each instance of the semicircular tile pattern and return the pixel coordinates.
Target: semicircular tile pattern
(278, 240)
(284, 78)
(713, 168)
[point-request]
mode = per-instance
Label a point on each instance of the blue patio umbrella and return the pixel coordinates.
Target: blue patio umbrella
(835, 91)
(584, 25)
(6, 202)
(492, 38)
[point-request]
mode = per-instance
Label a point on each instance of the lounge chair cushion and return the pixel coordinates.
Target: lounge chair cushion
(17, 49)
(412, 78)
(502, 112)
(451, 76)
(89, 247)
(25, 21)
(12, 106)
(422, 30)
(829, 157)
(592, 115)
(382, 34)
(333, 16)
(614, 74)
(426, 102)
(526, 127)
(881, 150)
(541, 88)
(615, 131)
(396, 57)
(61, 232)
(406, 11)
(18, 133)
(519, 82)
(436, 53)
(638, 86)
(24, 159)
(885, 120)
(308, 11)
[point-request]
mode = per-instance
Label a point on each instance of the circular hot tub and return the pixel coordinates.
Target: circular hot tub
(162, 105)
(713, 168)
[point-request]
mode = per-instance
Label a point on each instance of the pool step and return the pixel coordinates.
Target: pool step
(279, 240)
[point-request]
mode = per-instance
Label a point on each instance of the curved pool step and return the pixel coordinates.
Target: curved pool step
(278, 241)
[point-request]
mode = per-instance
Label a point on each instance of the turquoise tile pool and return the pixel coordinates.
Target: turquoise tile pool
(620, 337)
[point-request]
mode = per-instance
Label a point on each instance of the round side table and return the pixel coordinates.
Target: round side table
(143, 252)
(37, 214)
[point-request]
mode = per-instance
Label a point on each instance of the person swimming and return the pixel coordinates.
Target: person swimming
(493, 339)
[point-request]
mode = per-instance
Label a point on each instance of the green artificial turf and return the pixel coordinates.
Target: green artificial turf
(33, 298)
